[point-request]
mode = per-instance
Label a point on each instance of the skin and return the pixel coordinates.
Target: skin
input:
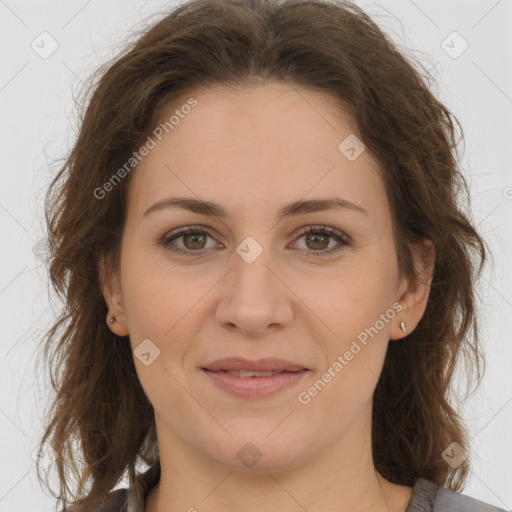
(253, 150)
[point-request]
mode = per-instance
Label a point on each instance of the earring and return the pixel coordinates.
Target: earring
(402, 326)
(112, 319)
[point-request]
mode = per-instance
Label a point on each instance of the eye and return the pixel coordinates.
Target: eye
(318, 238)
(193, 240)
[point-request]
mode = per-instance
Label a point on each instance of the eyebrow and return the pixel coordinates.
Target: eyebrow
(293, 209)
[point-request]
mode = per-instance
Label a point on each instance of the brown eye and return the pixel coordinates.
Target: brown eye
(318, 241)
(318, 238)
(194, 240)
(191, 240)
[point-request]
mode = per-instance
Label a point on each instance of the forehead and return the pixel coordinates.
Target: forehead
(271, 142)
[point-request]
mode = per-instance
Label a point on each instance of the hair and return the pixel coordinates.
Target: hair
(100, 424)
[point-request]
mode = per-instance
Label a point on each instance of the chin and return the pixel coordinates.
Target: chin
(265, 449)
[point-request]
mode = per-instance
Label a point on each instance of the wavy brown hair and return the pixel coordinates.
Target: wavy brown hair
(101, 424)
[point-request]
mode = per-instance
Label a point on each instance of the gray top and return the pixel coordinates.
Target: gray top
(426, 497)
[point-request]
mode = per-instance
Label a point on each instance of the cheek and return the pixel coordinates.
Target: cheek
(354, 337)
(355, 351)
(158, 297)
(167, 307)
(160, 306)
(354, 299)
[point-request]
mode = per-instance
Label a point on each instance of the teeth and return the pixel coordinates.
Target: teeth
(248, 373)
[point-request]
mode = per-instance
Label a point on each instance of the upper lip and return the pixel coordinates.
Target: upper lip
(268, 364)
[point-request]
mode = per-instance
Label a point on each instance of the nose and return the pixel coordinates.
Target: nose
(254, 297)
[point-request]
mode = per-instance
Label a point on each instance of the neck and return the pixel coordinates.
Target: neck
(343, 479)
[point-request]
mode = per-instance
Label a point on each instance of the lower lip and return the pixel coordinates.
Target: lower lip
(255, 387)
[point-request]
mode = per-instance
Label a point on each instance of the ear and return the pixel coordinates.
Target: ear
(111, 288)
(413, 293)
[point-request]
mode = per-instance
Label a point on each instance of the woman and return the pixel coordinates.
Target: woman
(267, 272)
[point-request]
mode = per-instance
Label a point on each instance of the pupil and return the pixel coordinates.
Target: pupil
(194, 237)
(315, 238)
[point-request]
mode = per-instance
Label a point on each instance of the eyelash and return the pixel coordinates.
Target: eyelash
(323, 230)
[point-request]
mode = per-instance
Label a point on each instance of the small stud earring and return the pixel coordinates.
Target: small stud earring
(402, 326)
(112, 319)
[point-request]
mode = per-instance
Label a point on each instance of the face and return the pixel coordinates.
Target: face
(272, 272)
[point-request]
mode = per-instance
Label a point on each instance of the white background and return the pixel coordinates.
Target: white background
(37, 123)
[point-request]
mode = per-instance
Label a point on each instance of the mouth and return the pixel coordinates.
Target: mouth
(249, 373)
(254, 379)
(268, 364)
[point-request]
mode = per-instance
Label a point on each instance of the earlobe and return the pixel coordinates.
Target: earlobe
(116, 326)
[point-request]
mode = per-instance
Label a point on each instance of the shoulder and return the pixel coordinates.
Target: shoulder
(429, 497)
(115, 501)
